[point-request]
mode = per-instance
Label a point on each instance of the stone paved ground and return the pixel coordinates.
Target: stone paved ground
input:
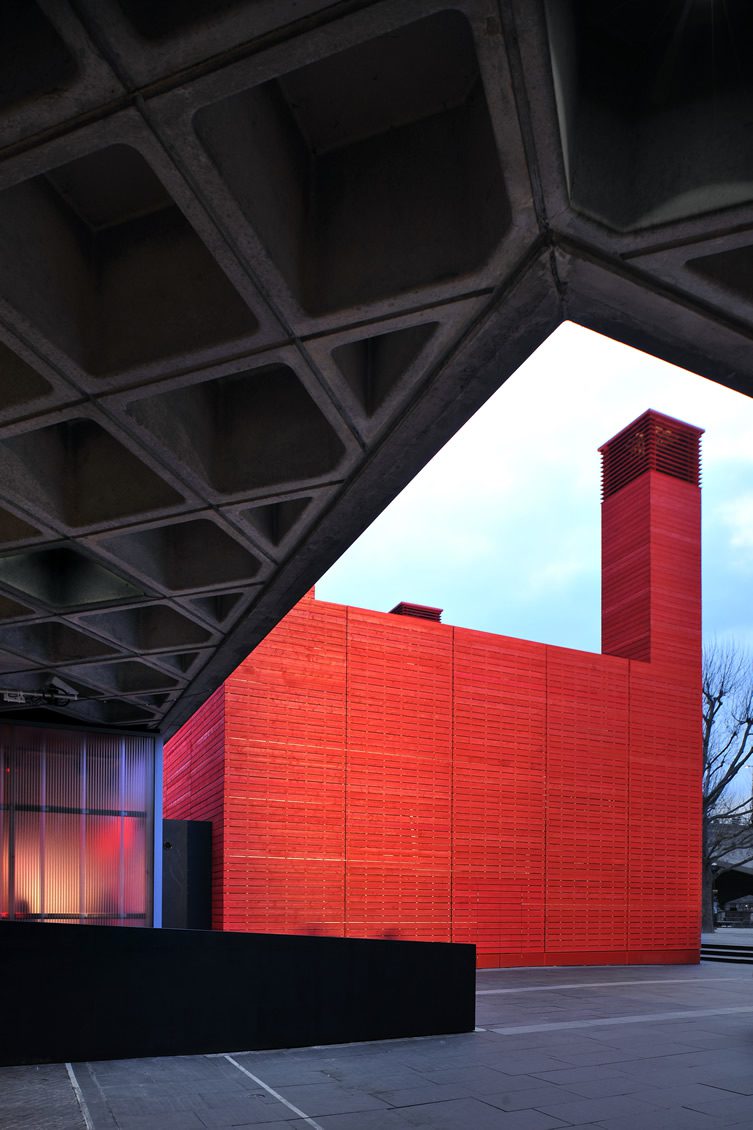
(639, 1048)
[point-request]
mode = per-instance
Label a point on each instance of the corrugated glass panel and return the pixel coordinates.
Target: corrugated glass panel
(63, 867)
(104, 870)
(27, 901)
(103, 828)
(76, 812)
(135, 893)
(64, 769)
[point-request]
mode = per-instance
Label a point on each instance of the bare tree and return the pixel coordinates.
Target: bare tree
(727, 748)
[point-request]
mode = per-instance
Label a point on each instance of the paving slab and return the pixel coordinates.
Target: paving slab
(40, 1098)
(531, 1098)
(681, 1119)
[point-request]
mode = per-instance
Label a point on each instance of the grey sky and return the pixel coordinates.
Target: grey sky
(501, 529)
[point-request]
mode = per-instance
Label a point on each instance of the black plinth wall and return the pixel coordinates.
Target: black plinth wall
(102, 992)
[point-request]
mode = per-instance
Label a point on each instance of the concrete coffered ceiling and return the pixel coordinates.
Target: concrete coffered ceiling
(259, 260)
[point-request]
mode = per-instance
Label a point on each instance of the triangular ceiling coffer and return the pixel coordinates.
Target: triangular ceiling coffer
(373, 366)
(275, 521)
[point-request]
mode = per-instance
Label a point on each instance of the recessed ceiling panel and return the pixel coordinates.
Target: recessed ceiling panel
(382, 167)
(150, 627)
(655, 106)
(125, 280)
(34, 59)
(62, 578)
(185, 555)
(78, 473)
(244, 432)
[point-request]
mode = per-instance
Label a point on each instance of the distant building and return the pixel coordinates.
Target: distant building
(382, 775)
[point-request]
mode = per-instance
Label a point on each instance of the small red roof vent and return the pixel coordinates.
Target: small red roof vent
(420, 611)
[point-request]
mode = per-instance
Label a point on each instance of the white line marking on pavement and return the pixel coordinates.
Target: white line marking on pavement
(554, 1026)
(606, 985)
(275, 1094)
(79, 1097)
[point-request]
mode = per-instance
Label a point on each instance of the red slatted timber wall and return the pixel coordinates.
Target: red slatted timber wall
(391, 776)
(194, 784)
(285, 779)
(499, 810)
(399, 777)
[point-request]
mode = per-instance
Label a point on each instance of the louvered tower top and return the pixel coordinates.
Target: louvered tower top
(653, 442)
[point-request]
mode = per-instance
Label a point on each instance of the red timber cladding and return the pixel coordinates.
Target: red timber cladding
(626, 571)
(194, 783)
(665, 817)
(651, 572)
(386, 776)
(587, 807)
(285, 778)
(399, 736)
(676, 577)
(498, 797)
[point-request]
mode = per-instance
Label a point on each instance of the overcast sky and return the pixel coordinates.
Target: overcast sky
(501, 529)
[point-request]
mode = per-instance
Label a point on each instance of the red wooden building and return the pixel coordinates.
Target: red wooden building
(380, 775)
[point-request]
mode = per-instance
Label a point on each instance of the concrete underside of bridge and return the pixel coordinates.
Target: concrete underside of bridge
(259, 261)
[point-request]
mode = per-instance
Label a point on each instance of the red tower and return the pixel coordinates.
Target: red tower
(373, 774)
(651, 611)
